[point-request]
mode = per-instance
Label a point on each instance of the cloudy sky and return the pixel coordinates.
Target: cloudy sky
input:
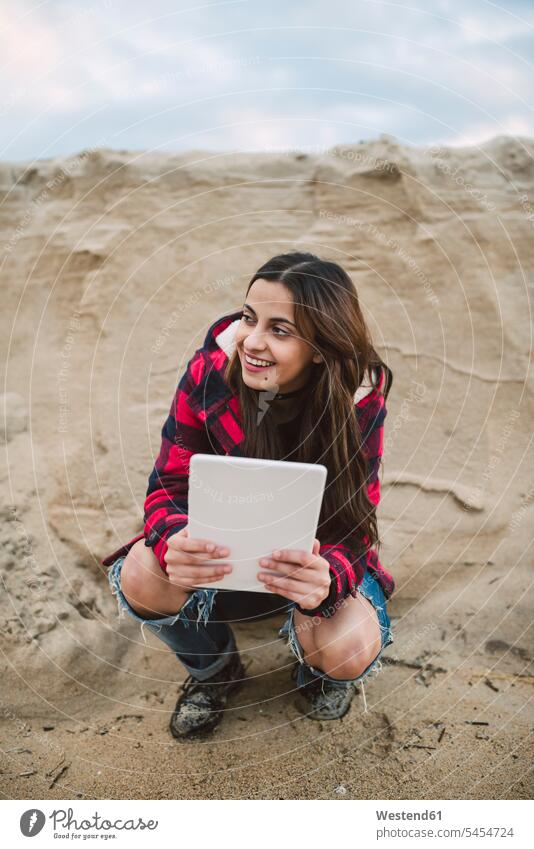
(260, 74)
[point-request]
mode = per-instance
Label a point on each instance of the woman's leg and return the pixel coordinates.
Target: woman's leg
(146, 587)
(344, 645)
(185, 620)
(182, 619)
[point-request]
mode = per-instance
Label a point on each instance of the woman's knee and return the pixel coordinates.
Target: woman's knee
(350, 658)
(146, 587)
(140, 580)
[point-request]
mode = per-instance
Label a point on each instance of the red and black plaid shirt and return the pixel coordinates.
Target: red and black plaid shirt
(205, 418)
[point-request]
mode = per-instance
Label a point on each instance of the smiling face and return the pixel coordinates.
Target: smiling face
(267, 335)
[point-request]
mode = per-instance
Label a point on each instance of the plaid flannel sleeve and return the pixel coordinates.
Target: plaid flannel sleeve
(183, 434)
(346, 568)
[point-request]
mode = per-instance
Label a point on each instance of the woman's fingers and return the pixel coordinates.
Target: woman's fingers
(294, 555)
(202, 583)
(307, 596)
(178, 543)
(194, 574)
(191, 585)
(290, 585)
(188, 559)
(185, 557)
(301, 573)
(195, 580)
(295, 563)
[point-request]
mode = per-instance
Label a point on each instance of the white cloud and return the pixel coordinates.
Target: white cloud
(28, 47)
(68, 60)
(477, 29)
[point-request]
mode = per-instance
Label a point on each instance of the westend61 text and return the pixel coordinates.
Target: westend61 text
(408, 815)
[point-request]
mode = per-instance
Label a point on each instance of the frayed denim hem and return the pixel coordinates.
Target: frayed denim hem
(197, 609)
(372, 591)
(200, 599)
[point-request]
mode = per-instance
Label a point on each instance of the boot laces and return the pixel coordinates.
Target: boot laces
(212, 686)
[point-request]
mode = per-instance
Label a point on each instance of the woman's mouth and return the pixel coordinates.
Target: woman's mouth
(256, 364)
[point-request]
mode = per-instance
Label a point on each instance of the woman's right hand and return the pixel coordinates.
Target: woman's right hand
(188, 561)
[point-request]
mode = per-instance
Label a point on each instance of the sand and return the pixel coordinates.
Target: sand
(114, 265)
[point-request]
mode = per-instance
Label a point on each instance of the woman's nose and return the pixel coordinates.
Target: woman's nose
(256, 339)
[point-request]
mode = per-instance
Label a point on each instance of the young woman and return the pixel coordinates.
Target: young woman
(292, 375)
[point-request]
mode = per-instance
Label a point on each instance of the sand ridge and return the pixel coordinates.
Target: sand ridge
(114, 265)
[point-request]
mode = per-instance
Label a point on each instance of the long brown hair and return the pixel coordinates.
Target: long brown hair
(328, 316)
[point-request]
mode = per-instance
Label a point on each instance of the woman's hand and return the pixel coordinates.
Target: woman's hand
(306, 576)
(188, 561)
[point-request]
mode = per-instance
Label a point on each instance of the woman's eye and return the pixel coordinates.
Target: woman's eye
(248, 319)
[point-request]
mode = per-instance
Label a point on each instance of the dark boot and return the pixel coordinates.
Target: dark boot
(322, 699)
(201, 704)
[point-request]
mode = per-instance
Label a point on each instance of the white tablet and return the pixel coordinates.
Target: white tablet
(253, 507)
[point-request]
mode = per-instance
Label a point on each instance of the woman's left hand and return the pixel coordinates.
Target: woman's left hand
(306, 576)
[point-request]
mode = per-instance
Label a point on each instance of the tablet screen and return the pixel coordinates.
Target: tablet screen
(253, 507)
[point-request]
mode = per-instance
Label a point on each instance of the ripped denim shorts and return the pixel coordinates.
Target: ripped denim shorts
(204, 649)
(371, 589)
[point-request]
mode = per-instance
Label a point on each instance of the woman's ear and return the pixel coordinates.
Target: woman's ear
(317, 358)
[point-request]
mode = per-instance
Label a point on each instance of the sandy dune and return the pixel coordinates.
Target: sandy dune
(114, 263)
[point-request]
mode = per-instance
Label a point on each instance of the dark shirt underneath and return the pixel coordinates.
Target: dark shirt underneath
(289, 433)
